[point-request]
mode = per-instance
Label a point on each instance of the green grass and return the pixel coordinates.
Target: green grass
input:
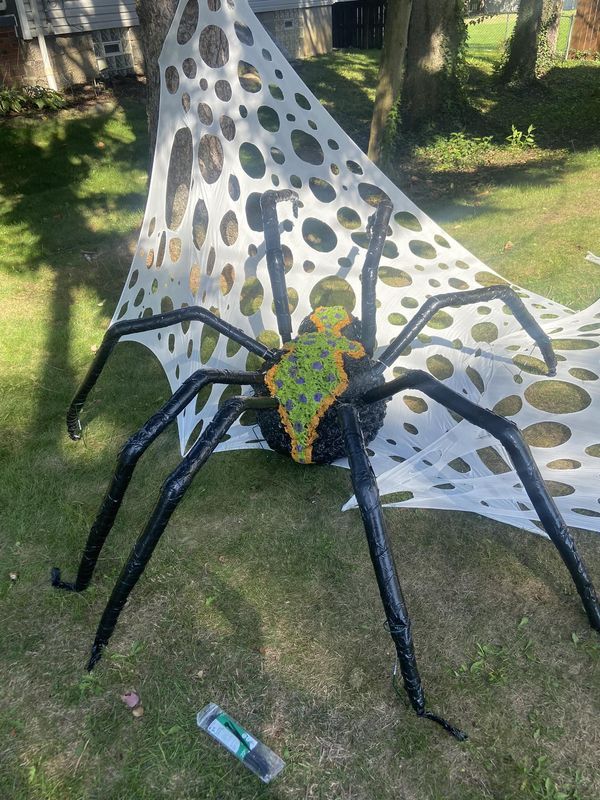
(487, 38)
(261, 595)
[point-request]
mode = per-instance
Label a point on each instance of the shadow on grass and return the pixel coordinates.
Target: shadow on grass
(77, 224)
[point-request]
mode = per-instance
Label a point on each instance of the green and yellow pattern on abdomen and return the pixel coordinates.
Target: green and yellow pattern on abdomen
(310, 376)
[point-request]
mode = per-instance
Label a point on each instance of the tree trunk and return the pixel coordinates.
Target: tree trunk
(521, 61)
(551, 23)
(391, 73)
(155, 18)
(434, 61)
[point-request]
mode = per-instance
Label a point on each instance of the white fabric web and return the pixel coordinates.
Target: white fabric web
(201, 243)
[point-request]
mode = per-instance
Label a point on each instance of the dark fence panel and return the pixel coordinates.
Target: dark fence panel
(358, 23)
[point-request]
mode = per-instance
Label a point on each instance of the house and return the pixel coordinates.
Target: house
(64, 42)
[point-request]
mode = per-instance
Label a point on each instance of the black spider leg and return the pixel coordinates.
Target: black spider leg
(398, 621)
(171, 493)
(274, 256)
(131, 326)
(128, 458)
(456, 299)
(511, 438)
(377, 227)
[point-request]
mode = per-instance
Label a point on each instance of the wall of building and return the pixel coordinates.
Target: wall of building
(300, 32)
(72, 56)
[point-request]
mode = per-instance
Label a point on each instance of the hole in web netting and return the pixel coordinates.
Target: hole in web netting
(213, 46)
(249, 77)
(253, 212)
(194, 279)
(188, 22)
(407, 220)
(307, 147)
(251, 296)
(210, 157)
(322, 190)
(243, 33)
(333, 291)
(394, 277)
(200, 223)
(178, 178)
(227, 127)
(227, 279)
(277, 155)
(318, 235)
(229, 228)
(508, 406)
(557, 397)
(371, 194)
(223, 90)
(171, 79)
(348, 218)
(189, 68)
(422, 249)
(233, 187)
(546, 434)
(268, 118)
(205, 114)
(210, 262)
(252, 160)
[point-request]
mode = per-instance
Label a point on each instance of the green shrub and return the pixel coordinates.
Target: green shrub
(15, 100)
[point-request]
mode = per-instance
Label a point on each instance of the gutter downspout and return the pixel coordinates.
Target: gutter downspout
(39, 27)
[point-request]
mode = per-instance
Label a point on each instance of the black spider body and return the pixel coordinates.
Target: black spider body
(321, 397)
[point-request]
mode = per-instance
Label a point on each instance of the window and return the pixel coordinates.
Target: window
(113, 51)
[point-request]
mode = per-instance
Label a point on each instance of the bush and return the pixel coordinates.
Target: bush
(29, 98)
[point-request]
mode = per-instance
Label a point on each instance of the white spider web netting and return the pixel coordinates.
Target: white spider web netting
(236, 120)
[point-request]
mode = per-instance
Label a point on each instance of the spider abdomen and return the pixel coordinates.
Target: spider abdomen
(320, 366)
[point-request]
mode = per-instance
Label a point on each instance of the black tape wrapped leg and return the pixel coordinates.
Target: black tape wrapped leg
(274, 255)
(456, 299)
(171, 493)
(367, 497)
(129, 456)
(511, 438)
(378, 224)
(128, 327)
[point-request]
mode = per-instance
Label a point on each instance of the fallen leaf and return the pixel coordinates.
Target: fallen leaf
(131, 699)
(508, 246)
(13, 576)
(94, 348)
(100, 145)
(138, 711)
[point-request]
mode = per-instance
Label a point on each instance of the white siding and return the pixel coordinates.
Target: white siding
(76, 16)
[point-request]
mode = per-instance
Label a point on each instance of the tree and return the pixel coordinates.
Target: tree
(155, 19)
(532, 45)
(422, 69)
(391, 73)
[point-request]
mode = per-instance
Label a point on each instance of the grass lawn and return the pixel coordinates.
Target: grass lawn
(261, 595)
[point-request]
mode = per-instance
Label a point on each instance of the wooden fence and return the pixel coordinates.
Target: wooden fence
(358, 23)
(585, 37)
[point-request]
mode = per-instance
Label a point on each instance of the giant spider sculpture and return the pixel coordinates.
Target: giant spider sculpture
(321, 397)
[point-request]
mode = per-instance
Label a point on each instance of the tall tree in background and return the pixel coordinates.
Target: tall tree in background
(435, 62)
(155, 18)
(532, 45)
(391, 73)
(421, 75)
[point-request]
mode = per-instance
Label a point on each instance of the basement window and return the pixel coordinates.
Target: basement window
(113, 51)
